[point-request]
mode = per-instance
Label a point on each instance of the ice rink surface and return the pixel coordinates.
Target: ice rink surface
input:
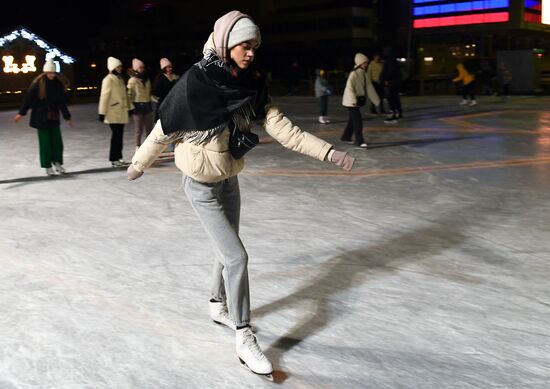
(427, 266)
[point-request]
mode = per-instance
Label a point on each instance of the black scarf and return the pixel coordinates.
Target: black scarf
(208, 96)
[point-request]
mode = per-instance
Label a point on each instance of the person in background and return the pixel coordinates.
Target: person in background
(164, 82)
(139, 90)
(468, 81)
(374, 71)
(115, 108)
(322, 91)
(355, 97)
(504, 79)
(390, 78)
(46, 98)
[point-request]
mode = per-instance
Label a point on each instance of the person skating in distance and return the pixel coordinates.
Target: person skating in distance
(208, 114)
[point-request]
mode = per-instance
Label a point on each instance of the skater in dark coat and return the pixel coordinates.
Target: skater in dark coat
(209, 114)
(390, 78)
(46, 98)
(163, 84)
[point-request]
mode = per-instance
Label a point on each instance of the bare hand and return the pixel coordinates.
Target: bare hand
(133, 174)
(343, 160)
(17, 118)
(70, 123)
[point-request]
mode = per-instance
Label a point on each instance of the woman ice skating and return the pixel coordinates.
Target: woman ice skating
(163, 84)
(322, 91)
(46, 97)
(208, 114)
(358, 89)
(139, 90)
(468, 80)
(114, 108)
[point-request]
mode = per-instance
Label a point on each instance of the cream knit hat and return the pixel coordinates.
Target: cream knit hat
(49, 66)
(112, 63)
(244, 30)
(136, 63)
(164, 62)
(360, 59)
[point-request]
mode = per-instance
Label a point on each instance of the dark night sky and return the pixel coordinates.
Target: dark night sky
(66, 24)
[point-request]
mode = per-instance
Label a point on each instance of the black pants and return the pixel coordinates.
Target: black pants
(354, 126)
(117, 130)
(468, 91)
(323, 105)
(380, 92)
(394, 100)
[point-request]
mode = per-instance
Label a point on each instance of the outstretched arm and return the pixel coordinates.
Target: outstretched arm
(293, 138)
(148, 152)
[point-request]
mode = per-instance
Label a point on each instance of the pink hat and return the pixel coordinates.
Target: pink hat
(164, 62)
(136, 63)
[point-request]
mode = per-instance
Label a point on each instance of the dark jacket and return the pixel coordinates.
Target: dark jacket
(391, 73)
(45, 112)
(162, 86)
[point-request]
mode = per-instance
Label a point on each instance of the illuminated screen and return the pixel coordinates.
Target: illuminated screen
(442, 13)
(537, 11)
(546, 11)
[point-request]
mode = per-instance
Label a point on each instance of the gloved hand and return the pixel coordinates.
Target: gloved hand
(133, 174)
(343, 160)
(101, 118)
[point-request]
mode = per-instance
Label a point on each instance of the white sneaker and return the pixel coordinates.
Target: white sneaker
(60, 169)
(363, 145)
(250, 354)
(220, 315)
(463, 102)
(473, 103)
(326, 119)
(50, 171)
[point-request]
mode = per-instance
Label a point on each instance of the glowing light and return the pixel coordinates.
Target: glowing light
(495, 17)
(482, 5)
(428, 59)
(51, 51)
(93, 65)
(11, 67)
(545, 11)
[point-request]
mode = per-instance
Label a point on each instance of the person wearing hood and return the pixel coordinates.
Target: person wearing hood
(358, 89)
(115, 108)
(467, 79)
(322, 91)
(139, 90)
(164, 82)
(390, 79)
(46, 98)
(209, 114)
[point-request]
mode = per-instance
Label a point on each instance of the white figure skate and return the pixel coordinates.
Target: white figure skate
(250, 354)
(220, 315)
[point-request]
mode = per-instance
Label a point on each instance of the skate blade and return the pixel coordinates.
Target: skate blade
(268, 376)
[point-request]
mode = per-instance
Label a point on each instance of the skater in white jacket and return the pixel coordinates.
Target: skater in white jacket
(208, 114)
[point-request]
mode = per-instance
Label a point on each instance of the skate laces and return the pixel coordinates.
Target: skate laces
(250, 340)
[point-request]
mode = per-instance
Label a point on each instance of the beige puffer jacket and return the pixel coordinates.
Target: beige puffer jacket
(355, 86)
(212, 162)
(138, 91)
(114, 102)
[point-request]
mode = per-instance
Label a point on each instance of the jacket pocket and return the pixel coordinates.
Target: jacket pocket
(112, 105)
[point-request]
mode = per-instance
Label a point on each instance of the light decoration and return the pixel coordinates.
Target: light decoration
(545, 11)
(51, 51)
(11, 67)
(443, 13)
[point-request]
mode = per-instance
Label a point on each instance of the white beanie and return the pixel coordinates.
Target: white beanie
(360, 59)
(244, 30)
(136, 63)
(164, 62)
(49, 66)
(112, 63)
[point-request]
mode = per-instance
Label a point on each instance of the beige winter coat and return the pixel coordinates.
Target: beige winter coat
(138, 91)
(114, 102)
(212, 162)
(355, 86)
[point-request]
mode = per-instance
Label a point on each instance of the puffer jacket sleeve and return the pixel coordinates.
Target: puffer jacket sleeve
(153, 146)
(104, 96)
(292, 137)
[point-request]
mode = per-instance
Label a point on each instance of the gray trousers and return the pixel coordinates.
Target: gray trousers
(143, 123)
(218, 207)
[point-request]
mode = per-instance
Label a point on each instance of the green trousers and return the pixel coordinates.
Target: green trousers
(51, 146)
